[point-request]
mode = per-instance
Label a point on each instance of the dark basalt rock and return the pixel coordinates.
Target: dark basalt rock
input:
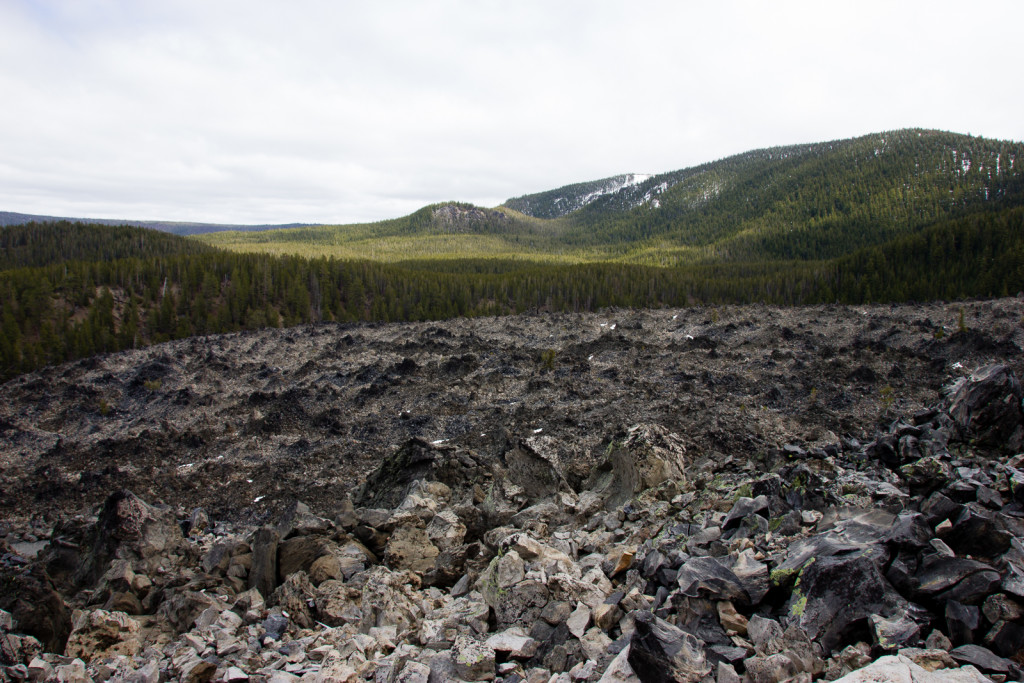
(742, 508)
(661, 653)
(707, 577)
(910, 531)
(263, 575)
(29, 595)
(987, 408)
(938, 507)
(961, 622)
(954, 578)
(837, 594)
(1006, 638)
(128, 528)
(976, 532)
(389, 484)
(981, 657)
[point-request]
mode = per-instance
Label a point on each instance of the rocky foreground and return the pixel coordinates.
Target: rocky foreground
(697, 495)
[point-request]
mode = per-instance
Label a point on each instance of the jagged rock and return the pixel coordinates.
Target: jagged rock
(730, 619)
(521, 603)
(474, 661)
(926, 475)
(1006, 638)
(981, 657)
(975, 532)
(299, 553)
(619, 670)
(129, 528)
(929, 659)
(999, 607)
(595, 644)
(961, 621)
(952, 578)
(607, 615)
(753, 575)
(446, 531)
(98, 633)
(72, 672)
(660, 653)
(181, 607)
(388, 599)
(894, 633)
(770, 669)
(263, 575)
(837, 592)
(742, 508)
(540, 555)
(707, 577)
(409, 548)
(513, 643)
(295, 596)
(643, 457)
(987, 407)
(900, 669)
(579, 620)
(765, 634)
(28, 594)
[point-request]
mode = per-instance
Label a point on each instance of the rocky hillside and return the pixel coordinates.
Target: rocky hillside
(739, 493)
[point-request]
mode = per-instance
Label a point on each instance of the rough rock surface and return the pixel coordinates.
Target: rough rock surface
(738, 494)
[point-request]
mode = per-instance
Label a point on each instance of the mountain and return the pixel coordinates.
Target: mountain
(902, 216)
(565, 200)
(174, 227)
(798, 202)
(802, 202)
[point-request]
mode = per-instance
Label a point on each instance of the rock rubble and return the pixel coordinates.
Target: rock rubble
(896, 559)
(670, 501)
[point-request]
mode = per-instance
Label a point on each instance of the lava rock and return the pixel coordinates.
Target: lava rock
(661, 653)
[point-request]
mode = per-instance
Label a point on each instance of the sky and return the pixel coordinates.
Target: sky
(267, 111)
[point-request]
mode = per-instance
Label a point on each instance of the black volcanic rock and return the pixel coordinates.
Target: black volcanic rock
(662, 653)
(987, 407)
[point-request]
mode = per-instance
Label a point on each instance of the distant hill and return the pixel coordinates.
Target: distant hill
(176, 228)
(801, 202)
(910, 215)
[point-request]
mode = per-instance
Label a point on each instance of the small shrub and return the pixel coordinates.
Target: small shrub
(152, 384)
(547, 359)
(888, 396)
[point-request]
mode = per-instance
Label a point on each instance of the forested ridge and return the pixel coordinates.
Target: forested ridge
(827, 233)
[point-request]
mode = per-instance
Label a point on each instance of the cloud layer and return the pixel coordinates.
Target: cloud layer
(251, 111)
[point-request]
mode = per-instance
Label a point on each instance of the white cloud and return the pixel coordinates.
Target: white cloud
(249, 111)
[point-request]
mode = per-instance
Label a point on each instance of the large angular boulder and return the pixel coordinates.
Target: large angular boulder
(645, 456)
(662, 653)
(986, 407)
(97, 633)
(28, 594)
(837, 594)
(131, 529)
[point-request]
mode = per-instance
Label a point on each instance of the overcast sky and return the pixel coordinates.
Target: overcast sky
(260, 111)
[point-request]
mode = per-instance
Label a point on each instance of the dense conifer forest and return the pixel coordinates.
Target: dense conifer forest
(906, 216)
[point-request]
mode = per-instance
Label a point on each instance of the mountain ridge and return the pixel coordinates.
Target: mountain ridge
(183, 228)
(810, 201)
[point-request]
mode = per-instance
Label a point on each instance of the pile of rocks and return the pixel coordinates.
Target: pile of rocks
(897, 559)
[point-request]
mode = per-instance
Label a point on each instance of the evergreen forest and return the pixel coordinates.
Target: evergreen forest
(901, 216)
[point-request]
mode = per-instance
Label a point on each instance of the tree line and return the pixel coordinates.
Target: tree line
(106, 289)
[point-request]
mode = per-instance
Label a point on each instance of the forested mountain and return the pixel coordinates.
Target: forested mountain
(813, 201)
(910, 215)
